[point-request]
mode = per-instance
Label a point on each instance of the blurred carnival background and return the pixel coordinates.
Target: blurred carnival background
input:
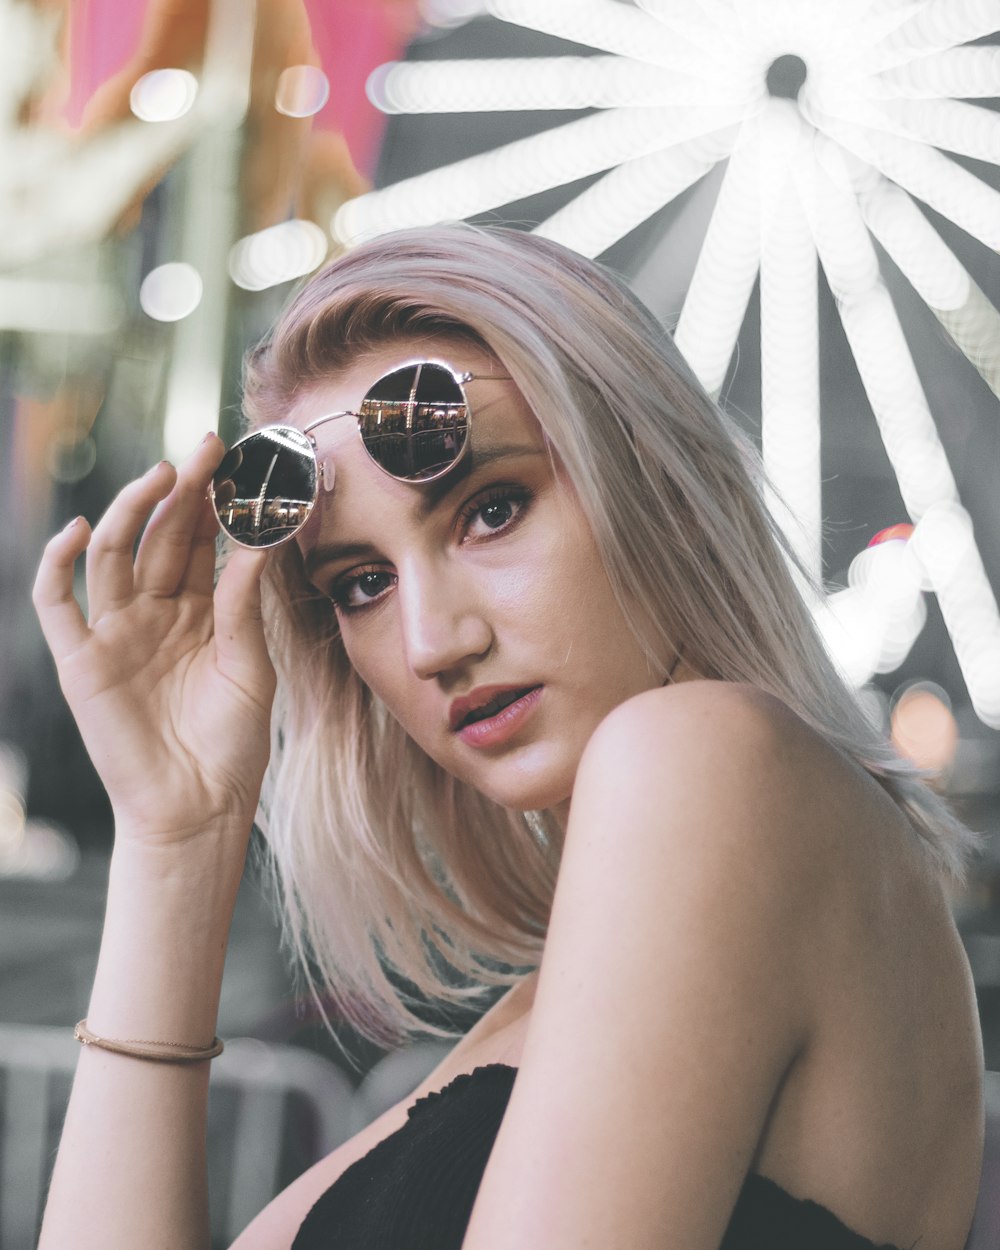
(807, 194)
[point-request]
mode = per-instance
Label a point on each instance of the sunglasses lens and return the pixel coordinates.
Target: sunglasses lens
(415, 421)
(265, 487)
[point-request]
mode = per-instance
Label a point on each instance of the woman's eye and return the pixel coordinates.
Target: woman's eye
(493, 514)
(358, 590)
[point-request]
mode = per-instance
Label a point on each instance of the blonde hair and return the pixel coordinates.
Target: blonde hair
(391, 871)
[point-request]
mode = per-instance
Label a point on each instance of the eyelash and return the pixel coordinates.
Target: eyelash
(342, 589)
(497, 494)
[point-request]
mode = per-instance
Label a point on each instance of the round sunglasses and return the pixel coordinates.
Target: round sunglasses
(414, 423)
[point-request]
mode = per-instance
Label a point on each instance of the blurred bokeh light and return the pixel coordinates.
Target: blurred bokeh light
(923, 726)
(163, 95)
(302, 91)
(171, 291)
(277, 254)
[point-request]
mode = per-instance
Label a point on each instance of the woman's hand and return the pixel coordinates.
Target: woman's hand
(169, 680)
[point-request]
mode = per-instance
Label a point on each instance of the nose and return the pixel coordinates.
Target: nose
(444, 618)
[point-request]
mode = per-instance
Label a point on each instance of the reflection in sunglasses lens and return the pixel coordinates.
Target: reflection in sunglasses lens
(414, 422)
(265, 487)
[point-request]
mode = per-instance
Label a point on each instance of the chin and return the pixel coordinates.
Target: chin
(525, 785)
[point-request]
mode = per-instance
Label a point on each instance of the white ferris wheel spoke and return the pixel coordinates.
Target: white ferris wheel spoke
(965, 72)
(933, 27)
(686, 12)
(545, 82)
(885, 365)
(726, 268)
(944, 542)
(935, 273)
(702, 23)
(624, 197)
(925, 173)
(789, 329)
(609, 26)
(549, 159)
(968, 129)
(885, 16)
(881, 8)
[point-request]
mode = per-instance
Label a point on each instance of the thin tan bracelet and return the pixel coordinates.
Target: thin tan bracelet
(158, 1052)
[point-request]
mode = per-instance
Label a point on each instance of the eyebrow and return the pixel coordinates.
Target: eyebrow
(434, 493)
(431, 496)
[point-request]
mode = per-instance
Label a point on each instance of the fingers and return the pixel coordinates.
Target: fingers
(199, 576)
(59, 613)
(176, 552)
(178, 545)
(109, 556)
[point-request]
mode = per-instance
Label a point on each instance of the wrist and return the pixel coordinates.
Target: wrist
(205, 858)
(169, 911)
(180, 815)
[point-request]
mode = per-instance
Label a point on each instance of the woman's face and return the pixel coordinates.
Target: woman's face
(476, 607)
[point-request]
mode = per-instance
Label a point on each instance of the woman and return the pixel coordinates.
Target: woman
(551, 703)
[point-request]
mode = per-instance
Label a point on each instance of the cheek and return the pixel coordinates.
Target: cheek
(557, 594)
(573, 586)
(371, 658)
(377, 658)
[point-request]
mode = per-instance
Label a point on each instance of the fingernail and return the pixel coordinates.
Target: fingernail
(155, 468)
(209, 436)
(71, 524)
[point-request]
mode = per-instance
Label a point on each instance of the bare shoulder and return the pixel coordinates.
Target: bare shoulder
(754, 826)
(714, 724)
(732, 769)
(675, 990)
(729, 802)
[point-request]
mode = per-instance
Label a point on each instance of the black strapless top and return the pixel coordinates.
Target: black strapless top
(414, 1190)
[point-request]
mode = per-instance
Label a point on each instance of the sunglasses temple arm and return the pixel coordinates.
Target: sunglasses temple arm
(330, 416)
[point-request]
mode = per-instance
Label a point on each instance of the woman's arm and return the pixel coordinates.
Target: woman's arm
(131, 1164)
(170, 684)
(673, 993)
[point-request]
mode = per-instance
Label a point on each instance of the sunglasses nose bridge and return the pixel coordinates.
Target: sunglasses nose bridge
(326, 470)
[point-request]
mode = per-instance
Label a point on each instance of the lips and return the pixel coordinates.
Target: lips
(482, 703)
